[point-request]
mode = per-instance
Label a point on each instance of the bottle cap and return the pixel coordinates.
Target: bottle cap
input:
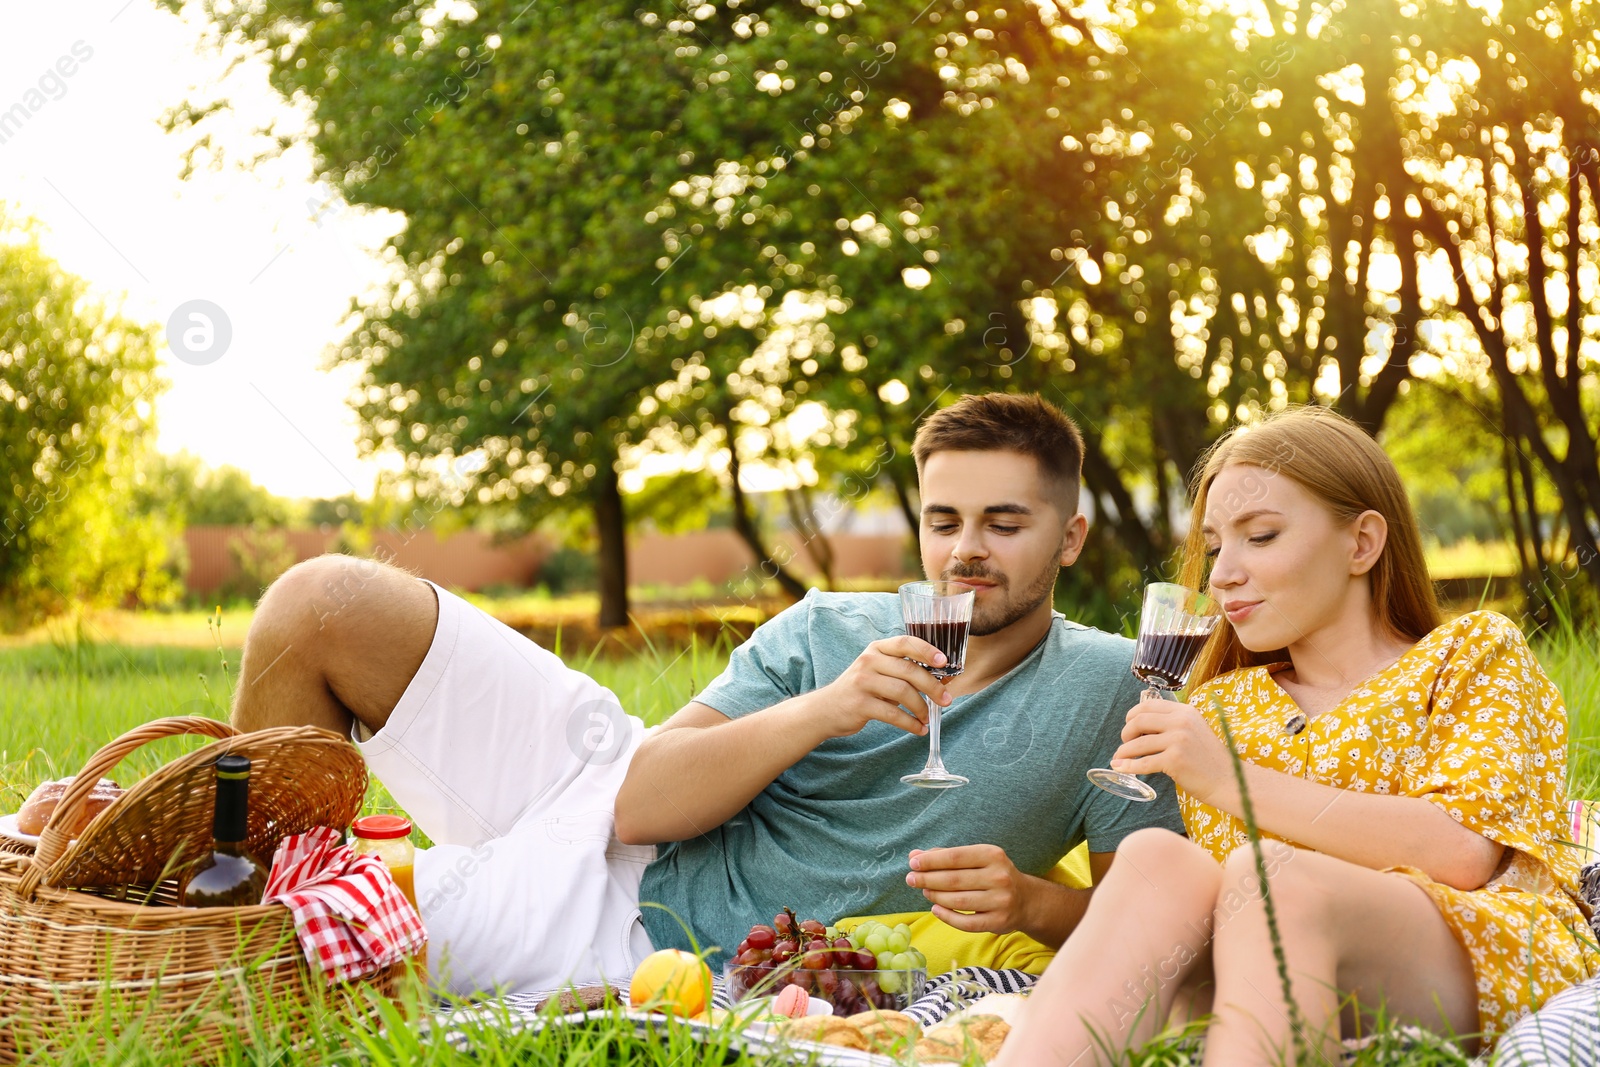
(233, 767)
(381, 827)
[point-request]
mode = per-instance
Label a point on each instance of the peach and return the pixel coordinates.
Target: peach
(671, 981)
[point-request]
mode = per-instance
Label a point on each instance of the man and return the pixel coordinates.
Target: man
(554, 816)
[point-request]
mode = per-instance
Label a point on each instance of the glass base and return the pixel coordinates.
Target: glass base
(1123, 785)
(935, 780)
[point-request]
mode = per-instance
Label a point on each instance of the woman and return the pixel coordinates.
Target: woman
(1409, 777)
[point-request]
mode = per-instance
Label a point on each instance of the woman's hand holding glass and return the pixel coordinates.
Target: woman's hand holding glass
(1174, 625)
(1166, 737)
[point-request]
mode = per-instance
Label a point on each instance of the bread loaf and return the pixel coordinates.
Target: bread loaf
(41, 804)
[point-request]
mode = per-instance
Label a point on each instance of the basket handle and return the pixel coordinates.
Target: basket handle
(55, 837)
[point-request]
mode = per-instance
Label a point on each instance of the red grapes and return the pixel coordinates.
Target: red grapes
(823, 962)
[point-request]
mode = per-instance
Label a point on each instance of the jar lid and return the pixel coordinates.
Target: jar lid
(381, 827)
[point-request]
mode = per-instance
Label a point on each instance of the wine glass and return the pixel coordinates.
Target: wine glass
(940, 613)
(1174, 625)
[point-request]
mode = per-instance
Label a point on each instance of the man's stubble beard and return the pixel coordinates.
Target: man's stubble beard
(1036, 593)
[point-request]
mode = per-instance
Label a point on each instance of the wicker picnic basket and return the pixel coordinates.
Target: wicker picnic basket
(89, 928)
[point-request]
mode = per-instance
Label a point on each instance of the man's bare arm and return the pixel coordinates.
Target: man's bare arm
(1057, 909)
(735, 759)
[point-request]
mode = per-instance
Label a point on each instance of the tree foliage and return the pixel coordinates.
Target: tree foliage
(182, 487)
(779, 233)
(77, 388)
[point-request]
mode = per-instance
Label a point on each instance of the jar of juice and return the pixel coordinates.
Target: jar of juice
(389, 838)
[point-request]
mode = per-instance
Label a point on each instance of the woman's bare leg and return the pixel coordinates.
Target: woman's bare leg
(335, 639)
(1346, 930)
(1141, 943)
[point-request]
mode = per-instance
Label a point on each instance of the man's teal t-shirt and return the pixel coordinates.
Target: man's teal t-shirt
(831, 836)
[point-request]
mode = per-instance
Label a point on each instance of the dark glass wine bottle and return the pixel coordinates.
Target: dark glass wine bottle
(230, 877)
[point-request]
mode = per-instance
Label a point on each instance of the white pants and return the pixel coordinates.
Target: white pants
(510, 762)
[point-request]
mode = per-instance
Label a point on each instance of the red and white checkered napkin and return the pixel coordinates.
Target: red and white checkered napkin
(351, 916)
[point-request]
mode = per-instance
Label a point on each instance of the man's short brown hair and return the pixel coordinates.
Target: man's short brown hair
(1009, 422)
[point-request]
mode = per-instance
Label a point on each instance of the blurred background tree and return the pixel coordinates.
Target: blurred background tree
(781, 233)
(184, 487)
(77, 386)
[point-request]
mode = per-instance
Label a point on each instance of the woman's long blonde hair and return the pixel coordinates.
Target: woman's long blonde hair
(1335, 460)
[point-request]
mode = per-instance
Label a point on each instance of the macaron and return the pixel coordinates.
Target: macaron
(791, 1002)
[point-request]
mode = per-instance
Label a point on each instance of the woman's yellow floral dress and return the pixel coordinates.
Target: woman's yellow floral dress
(1466, 719)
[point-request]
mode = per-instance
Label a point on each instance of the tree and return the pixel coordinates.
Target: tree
(518, 144)
(666, 226)
(182, 487)
(1507, 193)
(541, 308)
(77, 387)
(1365, 195)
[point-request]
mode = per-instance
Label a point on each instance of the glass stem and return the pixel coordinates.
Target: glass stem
(934, 762)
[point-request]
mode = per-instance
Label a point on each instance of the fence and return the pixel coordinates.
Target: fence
(224, 556)
(221, 556)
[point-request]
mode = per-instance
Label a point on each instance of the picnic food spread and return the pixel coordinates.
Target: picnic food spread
(41, 804)
(353, 918)
(874, 966)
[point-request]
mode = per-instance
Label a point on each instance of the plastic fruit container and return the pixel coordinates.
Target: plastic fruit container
(848, 990)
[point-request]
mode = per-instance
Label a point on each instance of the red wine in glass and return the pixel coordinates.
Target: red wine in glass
(1163, 660)
(939, 613)
(949, 638)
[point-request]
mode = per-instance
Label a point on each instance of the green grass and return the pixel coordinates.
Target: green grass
(385, 1035)
(61, 699)
(65, 693)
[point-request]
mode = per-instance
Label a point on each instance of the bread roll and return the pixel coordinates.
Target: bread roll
(951, 1041)
(988, 1032)
(1009, 1006)
(583, 998)
(41, 804)
(942, 1044)
(897, 1021)
(889, 1032)
(827, 1029)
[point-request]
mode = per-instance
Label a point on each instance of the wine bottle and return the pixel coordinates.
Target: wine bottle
(230, 877)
